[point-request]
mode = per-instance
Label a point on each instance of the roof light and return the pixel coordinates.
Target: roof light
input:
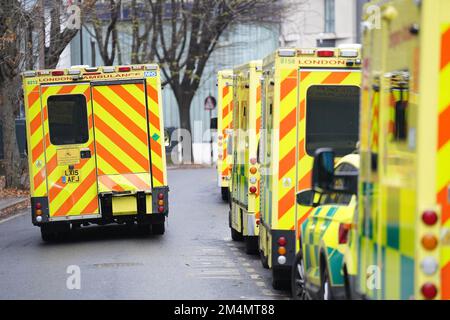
(108, 69)
(349, 53)
(137, 67)
(57, 72)
(44, 73)
(124, 69)
(91, 69)
(286, 52)
(325, 53)
(307, 51)
(151, 67)
(29, 74)
(73, 72)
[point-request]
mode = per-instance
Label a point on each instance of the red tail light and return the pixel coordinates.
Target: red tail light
(124, 69)
(282, 241)
(429, 218)
(160, 209)
(160, 196)
(344, 229)
(325, 53)
(252, 189)
(57, 72)
(429, 291)
(38, 205)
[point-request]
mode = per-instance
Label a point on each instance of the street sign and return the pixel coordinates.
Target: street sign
(210, 103)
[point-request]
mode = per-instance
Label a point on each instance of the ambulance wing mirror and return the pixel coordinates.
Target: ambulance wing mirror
(307, 198)
(323, 170)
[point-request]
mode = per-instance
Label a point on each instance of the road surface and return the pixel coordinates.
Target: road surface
(195, 259)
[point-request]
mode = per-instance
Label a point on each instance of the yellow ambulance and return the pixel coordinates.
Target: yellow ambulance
(96, 148)
(244, 213)
(224, 130)
(402, 230)
(310, 100)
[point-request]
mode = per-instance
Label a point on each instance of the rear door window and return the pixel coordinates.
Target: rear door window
(67, 118)
(332, 118)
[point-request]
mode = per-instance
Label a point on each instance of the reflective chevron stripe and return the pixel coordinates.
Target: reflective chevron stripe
(443, 158)
(69, 198)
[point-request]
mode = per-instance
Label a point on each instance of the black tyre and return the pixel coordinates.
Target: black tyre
(236, 235)
(158, 229)
(251, 245)
(325, 286)
(280, 280)
(144, 229)
(348, 289)
(48, 235)
(225, 194)
(264, 260)
(298, 280)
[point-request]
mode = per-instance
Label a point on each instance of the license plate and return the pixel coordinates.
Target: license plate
(71, 176)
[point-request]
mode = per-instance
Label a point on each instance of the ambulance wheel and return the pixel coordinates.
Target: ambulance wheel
(236, 235)
(298, 284)
(325, 286)
(279, 280)
(48, 235)
(144, 229)
(225, 194)
(251, 245)
(158, 228)
(264, 260)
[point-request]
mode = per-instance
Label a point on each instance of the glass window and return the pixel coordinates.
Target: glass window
(67, 118)
(332, 118)
(329, 16)
(339, 198)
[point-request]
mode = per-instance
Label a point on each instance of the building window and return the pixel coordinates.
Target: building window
(330, 15)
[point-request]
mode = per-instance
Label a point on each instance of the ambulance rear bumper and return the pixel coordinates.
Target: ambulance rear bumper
(156, 213)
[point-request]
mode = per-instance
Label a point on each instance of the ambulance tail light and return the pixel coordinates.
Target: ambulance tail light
(253, 161)
(124, 69)
(252, 190)
(161, 209)
(344, 229)
(253, 170)
(429, 291)
(282, 241)
(160, 196)
(57, 72)
(38, 205)
(430, 217)
(325, 53)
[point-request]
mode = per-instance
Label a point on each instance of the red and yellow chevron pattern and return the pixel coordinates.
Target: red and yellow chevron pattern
(156, 125)
(225, 123)
(443, 158)
(38, 185)
(70, 198)
(121, 139)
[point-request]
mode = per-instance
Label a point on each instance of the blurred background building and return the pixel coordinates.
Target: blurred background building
(306, 23)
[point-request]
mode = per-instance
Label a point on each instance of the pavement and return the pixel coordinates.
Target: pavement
(195, 259)
(9, 205)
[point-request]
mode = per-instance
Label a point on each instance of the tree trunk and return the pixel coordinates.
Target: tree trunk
(184, 108)
(9, 93)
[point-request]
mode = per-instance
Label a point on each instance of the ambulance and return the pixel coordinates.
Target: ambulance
(96, 148)
(224, 131)
(402, 230)
(310, 100)
(244, 212)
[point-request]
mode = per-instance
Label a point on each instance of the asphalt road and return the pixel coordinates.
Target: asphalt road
(195, 259)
